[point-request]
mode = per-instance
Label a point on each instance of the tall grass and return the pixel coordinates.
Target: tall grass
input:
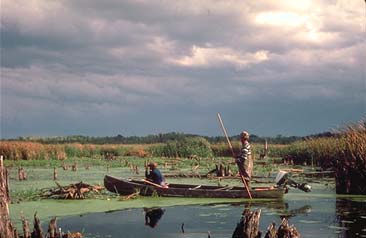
(223, 150)
(346, 154)
(18, 150)
(351, 165)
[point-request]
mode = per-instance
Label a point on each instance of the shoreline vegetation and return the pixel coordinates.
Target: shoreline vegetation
(342, 152)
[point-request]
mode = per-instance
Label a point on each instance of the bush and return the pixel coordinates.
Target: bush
(184, 147)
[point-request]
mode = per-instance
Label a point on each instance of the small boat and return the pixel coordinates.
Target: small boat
(146, 188)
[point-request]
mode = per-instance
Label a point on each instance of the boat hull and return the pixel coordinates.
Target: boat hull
(126, 187)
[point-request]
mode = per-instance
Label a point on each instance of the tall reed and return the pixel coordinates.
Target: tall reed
(345, 154)
(351, 164)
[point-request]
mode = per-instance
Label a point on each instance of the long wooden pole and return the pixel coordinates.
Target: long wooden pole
(152, 183)
(233, 154)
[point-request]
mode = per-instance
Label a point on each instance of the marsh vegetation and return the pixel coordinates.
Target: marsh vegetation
(343, 154)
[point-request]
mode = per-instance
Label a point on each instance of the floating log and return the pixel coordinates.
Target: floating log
(131, 196)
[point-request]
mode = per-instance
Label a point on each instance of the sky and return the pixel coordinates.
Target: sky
(140, 67)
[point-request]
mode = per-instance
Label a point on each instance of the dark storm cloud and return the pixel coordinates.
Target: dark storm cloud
(139, 67)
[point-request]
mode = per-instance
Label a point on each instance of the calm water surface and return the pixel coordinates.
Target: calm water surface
(317, 214)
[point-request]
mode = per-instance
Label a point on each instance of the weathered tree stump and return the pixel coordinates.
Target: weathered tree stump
(54, 173)
(65, 166)
(74, 167)
(52, 228)
(6, 227)
(248, 227)
(271, 231)
(26, 232)
(22, 175)
(287, 231)
(37, 228)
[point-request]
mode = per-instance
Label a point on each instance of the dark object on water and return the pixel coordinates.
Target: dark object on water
(125, 187)
(182, 227)
(283, 179)
(248, 226)
(152, 216)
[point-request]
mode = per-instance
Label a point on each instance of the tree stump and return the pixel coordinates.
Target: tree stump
(26, 232)
(248, 227)
(6, 227)
(52, 228)
(54, 173)
(74, 167)
(22, 175)
(65, 166)
(37, 228)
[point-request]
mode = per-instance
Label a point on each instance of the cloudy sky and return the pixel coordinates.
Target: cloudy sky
(138, 67)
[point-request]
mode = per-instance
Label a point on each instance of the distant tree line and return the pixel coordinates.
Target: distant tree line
(162, 138)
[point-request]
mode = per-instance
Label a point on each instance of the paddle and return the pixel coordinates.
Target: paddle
(151, 183)
(233, 154)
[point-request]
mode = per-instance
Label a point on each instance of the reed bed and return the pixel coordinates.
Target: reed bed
(345, 154)
(351, 164)
(19, 150)
(274, 150)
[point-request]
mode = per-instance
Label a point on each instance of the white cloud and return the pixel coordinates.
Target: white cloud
(77, 55)
(217, 56)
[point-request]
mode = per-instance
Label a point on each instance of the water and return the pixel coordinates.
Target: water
(317, 214)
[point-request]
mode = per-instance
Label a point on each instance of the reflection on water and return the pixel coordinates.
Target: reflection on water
(152, 216)
(314, 215)
(287, 213)
(351, 217)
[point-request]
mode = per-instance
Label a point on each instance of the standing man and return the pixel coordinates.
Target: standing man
(244, 159)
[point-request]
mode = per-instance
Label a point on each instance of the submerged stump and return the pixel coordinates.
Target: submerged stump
(248, 227)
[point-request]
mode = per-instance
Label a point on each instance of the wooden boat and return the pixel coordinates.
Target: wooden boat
(129, 186)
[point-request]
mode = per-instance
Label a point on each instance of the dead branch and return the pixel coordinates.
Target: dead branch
(72, 191)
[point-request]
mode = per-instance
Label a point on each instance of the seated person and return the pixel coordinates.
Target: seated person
(154, 175)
